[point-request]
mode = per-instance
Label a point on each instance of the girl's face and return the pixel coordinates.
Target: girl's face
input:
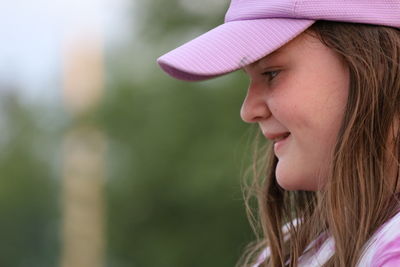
(297, 95)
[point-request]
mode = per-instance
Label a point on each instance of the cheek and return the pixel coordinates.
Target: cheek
(313, 117)
(319, 123)
(316, 108)
(286, 100)
(292, 108)
(332, 107)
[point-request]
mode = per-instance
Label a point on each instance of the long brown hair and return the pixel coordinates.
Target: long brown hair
(360, 194)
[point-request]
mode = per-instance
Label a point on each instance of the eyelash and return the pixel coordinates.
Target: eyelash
(268, 73)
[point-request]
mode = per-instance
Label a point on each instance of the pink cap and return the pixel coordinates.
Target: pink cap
(255, 28)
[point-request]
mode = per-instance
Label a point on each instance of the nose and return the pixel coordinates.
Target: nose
(254, 107)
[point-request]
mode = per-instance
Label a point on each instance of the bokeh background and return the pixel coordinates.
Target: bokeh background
(105, 161)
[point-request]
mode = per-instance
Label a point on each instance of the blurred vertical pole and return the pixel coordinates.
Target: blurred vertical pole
(84, 147)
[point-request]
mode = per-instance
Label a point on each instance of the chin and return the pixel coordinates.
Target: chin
(292, 182)
(285, 179)
(287, 186)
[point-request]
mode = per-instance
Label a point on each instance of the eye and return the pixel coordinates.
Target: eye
(271, 74)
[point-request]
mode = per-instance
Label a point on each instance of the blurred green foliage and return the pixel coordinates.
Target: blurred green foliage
(176, 154)
(158, 19)
(28, 192)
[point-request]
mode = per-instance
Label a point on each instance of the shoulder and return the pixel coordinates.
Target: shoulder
(388, 255)
(266, 253)
(384, 248)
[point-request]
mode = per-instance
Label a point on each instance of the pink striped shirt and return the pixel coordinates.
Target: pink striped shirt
(382, 250)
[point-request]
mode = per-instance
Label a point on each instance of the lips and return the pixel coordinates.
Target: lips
(281, 137)
(280, 140)
(276, 137)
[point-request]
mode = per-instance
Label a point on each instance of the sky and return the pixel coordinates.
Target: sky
(33, 33)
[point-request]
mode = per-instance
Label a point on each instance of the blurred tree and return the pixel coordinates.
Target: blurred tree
(157, 19)
(174, 188)
(28, 194)
(177, 150)
(176, 154)
(174, 165)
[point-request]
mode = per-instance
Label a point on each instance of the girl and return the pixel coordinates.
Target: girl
(325, 91)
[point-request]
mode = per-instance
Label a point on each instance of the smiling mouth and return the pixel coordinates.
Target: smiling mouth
(280, 142)
(280, 138)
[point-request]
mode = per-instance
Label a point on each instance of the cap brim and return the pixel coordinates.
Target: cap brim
(229, 47)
